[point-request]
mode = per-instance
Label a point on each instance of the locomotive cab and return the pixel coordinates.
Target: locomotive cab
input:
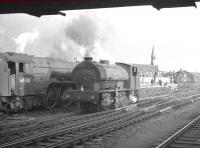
(4, 77)
(12, 76)
(8, 77)
(18, 75)
(12, 71)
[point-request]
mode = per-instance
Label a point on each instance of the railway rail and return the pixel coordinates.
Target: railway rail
(165, 97)
(44, 125)
(50, 117)
(53, 122)
(34, 120)
(82, 131)
(186, 137)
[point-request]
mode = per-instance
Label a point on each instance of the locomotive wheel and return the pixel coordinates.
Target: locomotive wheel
(65, 101)
(4, 106)
(51, 98)
(25, 105)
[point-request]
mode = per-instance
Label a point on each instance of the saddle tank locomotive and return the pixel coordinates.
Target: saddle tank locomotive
(102, 86)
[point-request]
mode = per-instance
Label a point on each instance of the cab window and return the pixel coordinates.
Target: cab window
(11, 66)
(134, 71)
(21, 67)
(27, 68)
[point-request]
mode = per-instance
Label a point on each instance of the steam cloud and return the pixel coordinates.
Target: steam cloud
(87, 34)
(6, 42)
(84, 32)
(23, 39)
(69, 40)
(1, 32)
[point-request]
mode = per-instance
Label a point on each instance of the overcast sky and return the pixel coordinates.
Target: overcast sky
(123, 34)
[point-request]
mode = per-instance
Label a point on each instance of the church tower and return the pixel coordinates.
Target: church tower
(153, 56)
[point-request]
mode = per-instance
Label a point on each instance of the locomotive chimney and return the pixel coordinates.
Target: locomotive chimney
(88, 59)
(105, 62)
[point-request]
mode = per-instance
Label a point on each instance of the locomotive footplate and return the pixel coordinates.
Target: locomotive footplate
(81, 96)
(91, 101)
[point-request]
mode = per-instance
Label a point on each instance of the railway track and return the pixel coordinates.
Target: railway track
(152, 100)
(34, 120)
(186, 137)
(23, 130)
(82, 131)
(50, 117)
(47, 124)
(166, 98)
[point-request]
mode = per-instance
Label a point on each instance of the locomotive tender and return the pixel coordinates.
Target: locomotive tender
(28, 81)
(102, 86)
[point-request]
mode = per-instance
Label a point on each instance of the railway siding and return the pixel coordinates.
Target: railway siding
(188, 136)
(52, 123)
(67, 136)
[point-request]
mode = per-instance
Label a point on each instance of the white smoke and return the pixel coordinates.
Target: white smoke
(99, 53)
(66, 49)
(68, 38)
(2, 31)
(23, 39)
(1, 36)
(90, 36)
(6, 42)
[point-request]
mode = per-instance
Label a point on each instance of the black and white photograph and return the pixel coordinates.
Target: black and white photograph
(99, 74)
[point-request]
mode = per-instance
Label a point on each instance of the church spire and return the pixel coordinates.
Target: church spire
(152, 56)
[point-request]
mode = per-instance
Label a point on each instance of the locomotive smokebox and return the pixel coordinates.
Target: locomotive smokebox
(105, 62)
(88, 59)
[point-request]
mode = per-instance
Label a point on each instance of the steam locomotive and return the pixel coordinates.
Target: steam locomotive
(102, 86)
(28, 81)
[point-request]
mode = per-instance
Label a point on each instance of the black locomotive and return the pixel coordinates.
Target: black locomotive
(28, 81)
(102, 86)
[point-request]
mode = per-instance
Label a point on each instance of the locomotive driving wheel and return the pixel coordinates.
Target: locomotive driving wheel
(66, 102)
(51, 98)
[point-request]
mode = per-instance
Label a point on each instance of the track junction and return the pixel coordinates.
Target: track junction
(71, 130)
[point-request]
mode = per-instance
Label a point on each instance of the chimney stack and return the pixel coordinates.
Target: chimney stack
(105, 62)
(88, 59)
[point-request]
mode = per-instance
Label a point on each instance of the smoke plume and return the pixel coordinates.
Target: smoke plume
(2, 31)
(87, 34)
(84, 32)
(69, 38)
(23, 39)
(6, 42)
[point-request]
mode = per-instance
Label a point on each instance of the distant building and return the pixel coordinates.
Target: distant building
(147, 74)
(196, 77)
(183, 76)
